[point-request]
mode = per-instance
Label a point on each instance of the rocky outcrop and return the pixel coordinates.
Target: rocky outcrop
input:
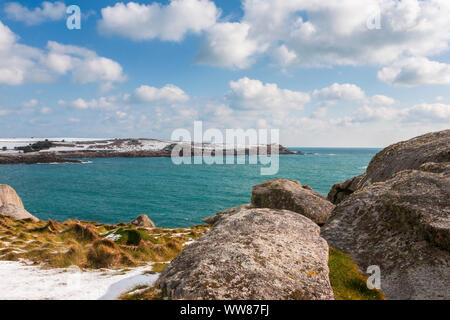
(252, 254)
(402, 225)
(342, 190)
(143, 221)
(291, 195)
(411, 154)
(11, 205)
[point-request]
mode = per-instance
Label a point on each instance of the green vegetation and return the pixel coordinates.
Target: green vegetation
(38, 146)
(347, 281)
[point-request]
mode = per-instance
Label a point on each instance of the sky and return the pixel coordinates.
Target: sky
(325, 73)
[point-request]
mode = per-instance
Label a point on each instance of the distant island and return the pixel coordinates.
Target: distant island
(71, 150)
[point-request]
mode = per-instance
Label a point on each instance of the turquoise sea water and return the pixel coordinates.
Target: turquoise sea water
(118, 190)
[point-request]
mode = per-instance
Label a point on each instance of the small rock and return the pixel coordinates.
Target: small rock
(143, 221)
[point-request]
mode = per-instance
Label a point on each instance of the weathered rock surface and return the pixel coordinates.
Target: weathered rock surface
(17, 213)
(252, 254)
(212, 220)
(342, 190)
(9, 196)
(403, 226)
(410, 154)
(11, 205)
(291, 195)
(143, 221)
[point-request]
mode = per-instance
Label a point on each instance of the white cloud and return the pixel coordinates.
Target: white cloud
(339, 92)
(31, 103)
(416, 71)
(166, 22)
(49, 11)
(254, 95)
(328, 33)
(22, 64)
(45, 110)
(86, 65)
(427, 112)
(121, 114)
(166, 95)
(371, 114)
(381, 100)
(107, 103)
(421, 113)
(228, 45)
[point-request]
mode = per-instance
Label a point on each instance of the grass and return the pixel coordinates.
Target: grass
(347, 281)
(91, 245)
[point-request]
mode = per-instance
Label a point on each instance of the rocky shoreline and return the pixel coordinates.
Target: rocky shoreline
(289, 242)
(62, 152)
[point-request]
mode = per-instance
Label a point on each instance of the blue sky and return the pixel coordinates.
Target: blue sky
(313, 69)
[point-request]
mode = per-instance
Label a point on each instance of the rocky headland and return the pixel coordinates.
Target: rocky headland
(289, 242)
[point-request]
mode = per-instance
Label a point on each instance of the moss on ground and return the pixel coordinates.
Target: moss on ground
(347, 281)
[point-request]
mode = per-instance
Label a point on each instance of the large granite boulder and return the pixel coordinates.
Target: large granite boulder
(403, 226)
(252, 254)
(11, 205)
(291, 195)
(410, 154)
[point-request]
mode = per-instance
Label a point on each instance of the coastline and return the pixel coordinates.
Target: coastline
(69, 152)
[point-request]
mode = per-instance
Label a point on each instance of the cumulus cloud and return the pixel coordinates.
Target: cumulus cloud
(228, 45)
(254, 95)
(415, 71)
(381, 100)
(328, 33)
(49, 11)
(86, 66)
(421, 113)
(339, 92)
(107, 103)
(166, 22)
(21, 63)
(427, 112)
(166, 95)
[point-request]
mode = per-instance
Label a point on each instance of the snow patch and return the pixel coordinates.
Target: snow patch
(27, 282)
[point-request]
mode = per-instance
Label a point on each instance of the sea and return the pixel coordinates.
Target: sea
(118, 190)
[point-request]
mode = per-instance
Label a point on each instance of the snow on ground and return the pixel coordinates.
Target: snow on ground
(79, 144)
(25, 282)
